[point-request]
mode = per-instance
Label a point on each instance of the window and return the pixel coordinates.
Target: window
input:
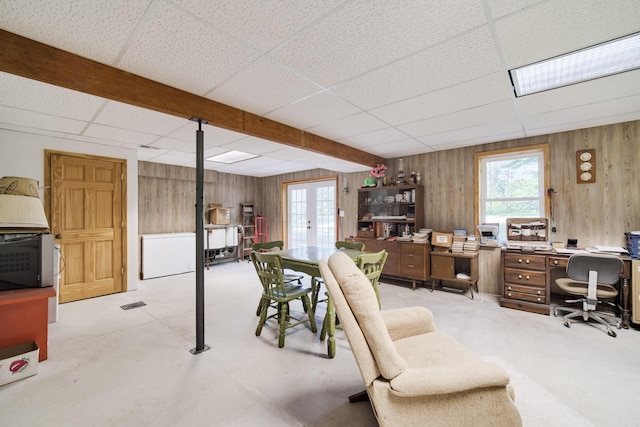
(511, 184)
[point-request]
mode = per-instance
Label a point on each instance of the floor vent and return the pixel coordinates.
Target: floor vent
(132, 305)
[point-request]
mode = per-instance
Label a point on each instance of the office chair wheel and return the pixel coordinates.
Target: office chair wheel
(611, 333)
(567, 324)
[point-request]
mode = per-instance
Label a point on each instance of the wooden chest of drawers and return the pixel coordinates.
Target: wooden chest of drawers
(525, 284)
(405, 260)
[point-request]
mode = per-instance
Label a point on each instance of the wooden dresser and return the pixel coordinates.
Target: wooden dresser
(406, 260)
(527, 281)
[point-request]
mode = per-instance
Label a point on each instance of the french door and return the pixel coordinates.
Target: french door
(311, 213)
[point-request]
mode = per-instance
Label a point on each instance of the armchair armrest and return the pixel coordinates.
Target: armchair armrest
(449, 378)
(408, 321)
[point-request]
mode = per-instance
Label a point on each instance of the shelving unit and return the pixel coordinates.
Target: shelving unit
(446, 266)
(389, 211)
(385, 216)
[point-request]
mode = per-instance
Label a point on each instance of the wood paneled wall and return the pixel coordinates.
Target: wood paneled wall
(167, 196)
(597, 213)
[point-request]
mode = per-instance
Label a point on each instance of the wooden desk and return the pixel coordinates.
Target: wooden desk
(24, 317)
(527, 281)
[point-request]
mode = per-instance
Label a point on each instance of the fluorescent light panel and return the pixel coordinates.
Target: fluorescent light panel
(232, 157)
(601, 60)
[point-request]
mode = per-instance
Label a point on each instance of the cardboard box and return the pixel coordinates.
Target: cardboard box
(18, 362)
(219, 215)
(444, 240)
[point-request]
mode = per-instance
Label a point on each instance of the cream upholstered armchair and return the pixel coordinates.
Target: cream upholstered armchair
(414, 375)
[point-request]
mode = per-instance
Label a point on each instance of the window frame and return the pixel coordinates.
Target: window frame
(480, 156)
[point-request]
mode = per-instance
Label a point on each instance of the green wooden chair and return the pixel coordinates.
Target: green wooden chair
(371, 264)
(358, 246)
(340, 244)
(275, 245)
(275, 290)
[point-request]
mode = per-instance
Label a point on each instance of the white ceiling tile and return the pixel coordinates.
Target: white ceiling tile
(392, 150)
(349, 126)
(282, 18)
(173, 158)
(366, 34)
(51, 99)
(145, 154)
(100, 141)
(250, 144)
(429, 71)
(263, 86)
(466, 57)
(473, 136)
(117, 134)
(477, 116)
(293, 155)
(175, 145)
(589, 112)
(176, 48)
(96, 29)
(488, 89)
(213, 136)
(552, 28)
(500, 8)
(33, 130)
(314, 110)
(127, 116)
(47, 122)
(365, 140)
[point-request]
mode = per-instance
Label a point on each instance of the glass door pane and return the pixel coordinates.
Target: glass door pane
(312, 214)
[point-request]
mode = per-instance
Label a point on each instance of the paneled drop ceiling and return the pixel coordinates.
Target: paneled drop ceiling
(389, 77)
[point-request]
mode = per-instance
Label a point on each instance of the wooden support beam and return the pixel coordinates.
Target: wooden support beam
(34, 60)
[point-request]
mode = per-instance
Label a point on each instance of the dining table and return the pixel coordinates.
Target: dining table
(306, 260)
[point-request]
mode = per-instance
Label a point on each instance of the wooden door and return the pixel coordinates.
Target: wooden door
(87, 220)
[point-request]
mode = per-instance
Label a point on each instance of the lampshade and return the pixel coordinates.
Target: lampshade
(20, 206)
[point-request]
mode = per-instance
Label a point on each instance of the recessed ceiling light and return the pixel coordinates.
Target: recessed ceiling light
(597, 61)
(231, 157)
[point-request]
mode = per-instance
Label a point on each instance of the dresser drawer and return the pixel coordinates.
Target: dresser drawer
(525, 277)
(533, 262)
(510, 288)
(525, 296)
(413, 261)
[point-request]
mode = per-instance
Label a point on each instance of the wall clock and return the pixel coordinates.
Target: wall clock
(586, 166)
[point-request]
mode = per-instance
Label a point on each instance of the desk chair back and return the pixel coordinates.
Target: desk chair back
(607, 268)
(591, 276)
(276, 290)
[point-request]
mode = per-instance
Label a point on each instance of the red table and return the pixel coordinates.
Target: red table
(24, 317)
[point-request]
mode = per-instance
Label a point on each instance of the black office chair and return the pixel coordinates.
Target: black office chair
(591, 276)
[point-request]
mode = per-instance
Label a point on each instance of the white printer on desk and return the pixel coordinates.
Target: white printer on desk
(489, 234)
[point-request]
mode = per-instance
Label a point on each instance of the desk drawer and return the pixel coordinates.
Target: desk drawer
(525, 277)
(533, 262)
(558, 261)
(525, 294)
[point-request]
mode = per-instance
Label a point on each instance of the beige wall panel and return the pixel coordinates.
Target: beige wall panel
(597, 213)
(166, 196)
